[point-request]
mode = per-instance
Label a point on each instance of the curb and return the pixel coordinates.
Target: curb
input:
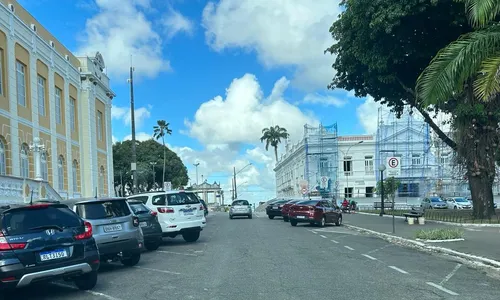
(438, 222)
(441, 241)
(469, 259)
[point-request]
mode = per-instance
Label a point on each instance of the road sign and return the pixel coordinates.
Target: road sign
(304, 191)
(324, 182)
(393, 166)
(167, 186)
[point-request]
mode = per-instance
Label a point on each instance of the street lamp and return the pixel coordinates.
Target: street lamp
(196, 165)
(234, 179)
(352, 166)
(382, 169)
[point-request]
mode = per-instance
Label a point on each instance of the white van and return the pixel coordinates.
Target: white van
(179, 212)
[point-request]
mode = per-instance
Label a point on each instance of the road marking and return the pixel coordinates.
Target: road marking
(314, 232)
(450, 275)
(322, 236)
(368, 256)
(472, 229)
(381, 248)
(89, 292)
(157, 270)
(170, 252)
(347, 247)
(442, 288)
(334, 241)
(398, 269)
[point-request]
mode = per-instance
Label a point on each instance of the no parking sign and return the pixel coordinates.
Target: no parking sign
(393, 166)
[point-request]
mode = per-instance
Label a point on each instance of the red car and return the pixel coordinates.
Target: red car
(286, 208)
(315, 212)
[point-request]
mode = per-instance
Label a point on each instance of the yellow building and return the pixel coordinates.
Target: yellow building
(55, 114)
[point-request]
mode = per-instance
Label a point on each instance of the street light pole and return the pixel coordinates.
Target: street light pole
(196, 165)
(382, 169)
(153, 164)
(133, 164)
(234, 178)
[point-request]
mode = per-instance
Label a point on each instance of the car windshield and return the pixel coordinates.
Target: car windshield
(103, 209)
(461, 200)
(139, 208)
(240, 203)
(435, 199)
(25, 220)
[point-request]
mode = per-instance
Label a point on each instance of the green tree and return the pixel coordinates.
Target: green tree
(160, 130)
(466, 71)
(147, 152)
(382, 47)
(272, 136)
(390, 187)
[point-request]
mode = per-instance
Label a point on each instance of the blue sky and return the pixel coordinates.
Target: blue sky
(265, 62)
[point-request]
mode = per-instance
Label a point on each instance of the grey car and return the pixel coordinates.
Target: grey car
(433, 203)
(240, 208)
(115, 228)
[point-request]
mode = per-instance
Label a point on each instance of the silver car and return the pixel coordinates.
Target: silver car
(115, 228)
(433, 203)
(240, 208)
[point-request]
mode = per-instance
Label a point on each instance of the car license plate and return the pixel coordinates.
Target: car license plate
(301, 217)
(112, 228)
(51, 255)
(275, 207)
(143, 224)
(188, 212)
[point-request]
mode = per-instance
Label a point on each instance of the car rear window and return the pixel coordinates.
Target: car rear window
(312, 202)
(102, 210)
(436, 199)
(138, 208)
(182, 199)
(241, 202)
(22, 220)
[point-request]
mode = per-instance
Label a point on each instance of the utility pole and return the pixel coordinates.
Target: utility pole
(234, 179)
(196, 165)
(133, 165)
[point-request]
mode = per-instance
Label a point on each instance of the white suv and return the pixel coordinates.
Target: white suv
(179, 212)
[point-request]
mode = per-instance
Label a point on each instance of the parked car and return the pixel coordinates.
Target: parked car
(433, 203)
(240, 208)
(286, 207)
(179, 212)
(315, 212)
(46, 241)
(274, 208)
(116, 229)
(150, 226)
(458, 203)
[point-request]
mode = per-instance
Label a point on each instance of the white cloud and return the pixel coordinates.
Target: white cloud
(241, 116)
(123, 113)
(120, 29)
(282, 33)
(325, 100)
(139, 136)
(174, 22)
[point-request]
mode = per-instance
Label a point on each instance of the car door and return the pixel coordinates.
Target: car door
(328, 209)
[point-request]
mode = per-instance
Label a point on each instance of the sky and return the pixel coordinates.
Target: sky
(218, 72)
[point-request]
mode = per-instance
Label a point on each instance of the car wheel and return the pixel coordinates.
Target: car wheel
(339, 221)
(86, 281)
(191, 236)
(293, 223)
(152, 246)
(132, 260)
(250, 216)
(271, 217)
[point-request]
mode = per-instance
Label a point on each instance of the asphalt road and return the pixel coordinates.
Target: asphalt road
(269, 259)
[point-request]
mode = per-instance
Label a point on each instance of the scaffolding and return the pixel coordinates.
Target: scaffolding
(321, 159)
(408, 138)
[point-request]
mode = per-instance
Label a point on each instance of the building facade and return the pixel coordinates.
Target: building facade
(55, 111)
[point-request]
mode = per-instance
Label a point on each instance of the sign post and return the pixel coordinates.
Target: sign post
(393, 166)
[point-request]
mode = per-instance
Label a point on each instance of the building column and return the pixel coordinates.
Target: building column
(67, 121)
(14, 129)
(109, 149)
(36, 147)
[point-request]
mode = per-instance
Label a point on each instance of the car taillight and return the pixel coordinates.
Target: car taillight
(38, 206)
(201, 207)
(87, 234)
(135, 221)
(165, 210)
(5, 245)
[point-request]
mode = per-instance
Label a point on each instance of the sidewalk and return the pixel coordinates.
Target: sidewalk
(484, 242)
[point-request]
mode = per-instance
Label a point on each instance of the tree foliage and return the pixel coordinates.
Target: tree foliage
(272, 136)
(148, 152)
(390, 186)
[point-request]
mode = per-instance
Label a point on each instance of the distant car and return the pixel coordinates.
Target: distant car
(116, 228)
(458, 203)
(433, 203)
(315, 212)
(148, 221)
(240, 208)
(43, 242)
(286, 208)
(274, 208)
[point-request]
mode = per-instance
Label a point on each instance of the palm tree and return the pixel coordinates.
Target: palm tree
(272, 136)
(160, 130)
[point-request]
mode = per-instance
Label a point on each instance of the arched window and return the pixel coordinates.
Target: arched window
(3, 161)
(101, 180)
(60, 173)
(74, 170)
(25, 164)
(45, 166)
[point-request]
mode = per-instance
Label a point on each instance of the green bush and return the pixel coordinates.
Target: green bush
(440, 234)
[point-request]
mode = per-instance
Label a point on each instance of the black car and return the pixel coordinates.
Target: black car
(148, 220)
(273, 209)
(43, 242)
(205, 207)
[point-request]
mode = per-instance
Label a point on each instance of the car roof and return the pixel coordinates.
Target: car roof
(93, 200)
(161, 193)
